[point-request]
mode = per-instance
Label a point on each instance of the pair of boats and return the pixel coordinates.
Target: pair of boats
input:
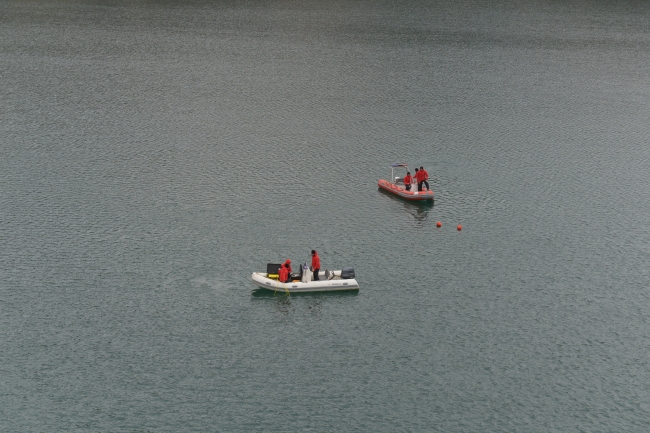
(344, 279)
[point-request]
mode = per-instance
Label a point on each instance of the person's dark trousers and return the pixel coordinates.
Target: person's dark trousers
(426, 183)
(408, 187)
(420, 185)
(316, 274)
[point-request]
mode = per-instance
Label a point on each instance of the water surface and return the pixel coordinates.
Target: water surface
(155, 154)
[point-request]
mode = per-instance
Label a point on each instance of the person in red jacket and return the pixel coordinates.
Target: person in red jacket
(418, 179)
(408, 180)
(315, 264)
(425, 177)
(287, 264)
(283, 274)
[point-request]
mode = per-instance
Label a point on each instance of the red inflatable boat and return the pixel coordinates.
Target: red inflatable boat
(397, 187)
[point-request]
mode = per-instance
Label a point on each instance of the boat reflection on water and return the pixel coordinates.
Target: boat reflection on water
(264, 293)
(419, 209)
(302, 303)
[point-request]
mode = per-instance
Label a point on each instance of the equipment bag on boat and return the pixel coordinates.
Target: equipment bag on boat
(307, 274)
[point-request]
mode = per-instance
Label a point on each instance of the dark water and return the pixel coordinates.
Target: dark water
(154, 154)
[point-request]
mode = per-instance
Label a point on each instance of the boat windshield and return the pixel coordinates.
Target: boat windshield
(397, 172)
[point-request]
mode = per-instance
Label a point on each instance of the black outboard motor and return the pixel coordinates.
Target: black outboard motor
(347, 273)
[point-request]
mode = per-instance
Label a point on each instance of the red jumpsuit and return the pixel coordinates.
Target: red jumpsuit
(283, 274)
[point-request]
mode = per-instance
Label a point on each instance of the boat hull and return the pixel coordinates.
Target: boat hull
(401, 192)
(334, 285)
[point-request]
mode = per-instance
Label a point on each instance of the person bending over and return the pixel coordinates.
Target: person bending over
(283, 274)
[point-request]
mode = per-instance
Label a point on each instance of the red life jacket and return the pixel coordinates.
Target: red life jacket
(315, 261)
(419, 176)
(408, 179)
(288, 265)
(283, 274)
(425, 175)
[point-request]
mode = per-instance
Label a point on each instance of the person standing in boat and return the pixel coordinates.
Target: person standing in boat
(283, 274)
(408, 180)
(287, 264)
(418, 179)
(425, 177)
(315, 264)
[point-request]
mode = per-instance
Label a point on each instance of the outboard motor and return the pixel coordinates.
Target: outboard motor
(347, 273)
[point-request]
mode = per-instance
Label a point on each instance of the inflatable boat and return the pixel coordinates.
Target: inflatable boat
(303, 282)
(397, 187)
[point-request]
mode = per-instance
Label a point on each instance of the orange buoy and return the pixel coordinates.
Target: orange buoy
(459, 227)
(438, 224)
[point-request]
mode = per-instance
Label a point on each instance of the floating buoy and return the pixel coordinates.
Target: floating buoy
(438, 224)
(459, 228)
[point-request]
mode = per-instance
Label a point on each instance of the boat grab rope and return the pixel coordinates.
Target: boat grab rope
(285, 289)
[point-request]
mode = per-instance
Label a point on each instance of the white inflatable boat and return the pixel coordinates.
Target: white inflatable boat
(329, 281)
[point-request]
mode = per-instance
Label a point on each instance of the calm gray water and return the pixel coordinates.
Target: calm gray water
(154, 154)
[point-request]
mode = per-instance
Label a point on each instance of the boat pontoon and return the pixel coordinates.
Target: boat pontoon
(303, 281)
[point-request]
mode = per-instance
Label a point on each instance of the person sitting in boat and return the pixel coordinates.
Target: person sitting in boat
(315, 264)
(425, 177)
(283, 274)
(287, 264)
(408, 180)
